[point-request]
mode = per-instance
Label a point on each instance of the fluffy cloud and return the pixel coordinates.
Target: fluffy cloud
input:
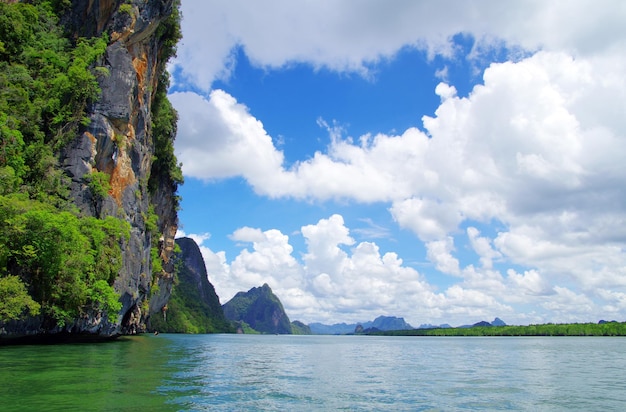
(516, 147)
(218, 138)
(482, 247)
(428, 218)
(340, 36)
(439, 253)
(568, 305)
(530, 282)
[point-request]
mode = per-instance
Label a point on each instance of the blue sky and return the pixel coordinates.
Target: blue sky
(447, 163)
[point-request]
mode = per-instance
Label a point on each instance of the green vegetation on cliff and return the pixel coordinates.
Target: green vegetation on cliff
(165, 167)
(15, 300)
(68, 263)
(46, 83)
(51, 259)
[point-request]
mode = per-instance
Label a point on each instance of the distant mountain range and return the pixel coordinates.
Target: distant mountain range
(381, 323)
(431, 326)
(385, 323)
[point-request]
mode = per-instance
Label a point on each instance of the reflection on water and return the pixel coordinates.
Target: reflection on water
(252, 372)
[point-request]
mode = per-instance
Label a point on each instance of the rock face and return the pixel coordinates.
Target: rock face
(119, 142)
(194, 307)
(260, 309)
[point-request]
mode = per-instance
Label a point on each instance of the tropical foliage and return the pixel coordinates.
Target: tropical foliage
(15, 300)
(165, 167)
(67, 262)
(46, 83)
(52, 260)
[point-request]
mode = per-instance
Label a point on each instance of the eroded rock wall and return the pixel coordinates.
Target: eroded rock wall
(118, 142)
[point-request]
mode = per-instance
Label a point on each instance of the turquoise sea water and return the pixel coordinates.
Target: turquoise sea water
(288, 373)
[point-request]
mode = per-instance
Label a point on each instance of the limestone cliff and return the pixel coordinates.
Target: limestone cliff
(120, 141)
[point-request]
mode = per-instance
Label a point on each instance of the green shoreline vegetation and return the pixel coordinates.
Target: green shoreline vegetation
(548, 329)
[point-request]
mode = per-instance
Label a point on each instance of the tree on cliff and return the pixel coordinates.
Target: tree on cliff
(15, 300)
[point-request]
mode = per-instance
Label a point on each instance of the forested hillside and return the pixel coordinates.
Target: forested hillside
(258, 309)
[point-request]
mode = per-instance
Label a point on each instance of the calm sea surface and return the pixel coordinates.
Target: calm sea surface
(300, 373)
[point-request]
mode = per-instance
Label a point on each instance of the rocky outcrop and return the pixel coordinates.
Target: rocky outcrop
(260, 309)
(194, 307)
(195, 273)
(118, 142)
